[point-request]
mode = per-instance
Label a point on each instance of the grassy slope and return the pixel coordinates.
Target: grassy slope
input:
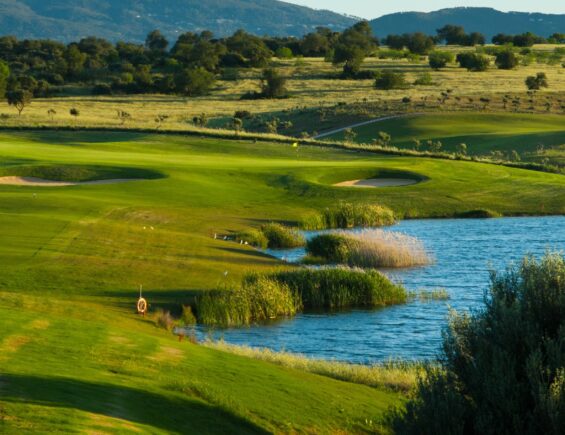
(72, 355)
(482, 133)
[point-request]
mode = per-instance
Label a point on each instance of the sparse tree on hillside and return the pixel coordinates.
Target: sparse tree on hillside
(440, 59)
(273, 84)
(20, 99)
(507, 60)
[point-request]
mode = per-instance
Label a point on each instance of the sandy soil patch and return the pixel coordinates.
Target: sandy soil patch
(378, 182)
(40, 182)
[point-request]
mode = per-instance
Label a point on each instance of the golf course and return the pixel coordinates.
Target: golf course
(75, 355)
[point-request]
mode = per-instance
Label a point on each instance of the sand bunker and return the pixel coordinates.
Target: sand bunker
(39, 182)
(378, 182)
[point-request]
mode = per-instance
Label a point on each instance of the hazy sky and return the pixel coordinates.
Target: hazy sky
(376, 8)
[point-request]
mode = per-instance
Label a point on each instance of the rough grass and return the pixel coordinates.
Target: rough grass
(75, 173)
(393, 375)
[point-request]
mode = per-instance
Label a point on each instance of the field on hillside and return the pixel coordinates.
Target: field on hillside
(314, 88)
(534, 137)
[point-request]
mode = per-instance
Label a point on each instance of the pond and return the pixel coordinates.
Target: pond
(464, 250)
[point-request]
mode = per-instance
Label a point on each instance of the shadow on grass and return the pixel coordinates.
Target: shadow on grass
(76, 138)
(175, 414)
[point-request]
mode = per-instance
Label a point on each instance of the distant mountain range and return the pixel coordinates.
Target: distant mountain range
(484, 20)
(131, 20)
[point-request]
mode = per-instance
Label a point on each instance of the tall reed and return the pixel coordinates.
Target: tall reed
(257, 299)
(341, 287)
(282, 237)
(348, 215)
(369, 248)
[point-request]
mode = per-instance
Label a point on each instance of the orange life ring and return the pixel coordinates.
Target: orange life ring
(141, 306)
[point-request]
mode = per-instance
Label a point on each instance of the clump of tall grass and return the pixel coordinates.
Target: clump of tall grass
(439, 294)
(164, 320)
(369, 249)
(341, 287)
(480, 214)
(393, 375)
(348, 215)
(257, 299)
(253, 237)
(282, 237)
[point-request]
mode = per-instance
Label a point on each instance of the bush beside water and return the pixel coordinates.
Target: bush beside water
(264, 297)
(347, 215)
(502, 368)
(282, 237)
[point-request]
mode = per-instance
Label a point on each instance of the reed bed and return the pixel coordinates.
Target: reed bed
(257, 299)
(282, 237)
(393, 375)
(369, 248)
(348, 215)
(341, 287)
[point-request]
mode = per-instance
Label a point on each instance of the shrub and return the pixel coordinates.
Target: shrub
(388, 80)
(282, 237)
(535, 83)
(347, 215)
(369, 248)
(502, 368)
(507, 60)
(424, 79)
(331, 288)
(440, 59)
(164, 320)
(473, 61)
(258, 298)
(284, 53)
(253, 237)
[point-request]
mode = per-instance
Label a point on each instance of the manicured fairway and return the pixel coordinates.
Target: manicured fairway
(74, 357)
(481, 132)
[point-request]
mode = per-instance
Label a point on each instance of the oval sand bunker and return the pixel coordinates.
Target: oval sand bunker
(378, 182)
(40, 182)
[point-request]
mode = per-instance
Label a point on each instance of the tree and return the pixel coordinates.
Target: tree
(440, 59)
(502, 368)
(284, 53)
(4, 74)
(273, 84)
(349, 135)
(20, 99)
(452, 35)
(155, 41)
(75, 113)
(194, 81)
(75, 60)
(250, 47)
(390, 80)
(419, 43)
(535, 83)
(353, 45)
(462, 149)
(507, 60)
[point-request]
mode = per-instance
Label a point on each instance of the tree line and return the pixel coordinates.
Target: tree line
(190, 65)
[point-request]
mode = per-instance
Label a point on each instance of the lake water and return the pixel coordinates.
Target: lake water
(464, 251)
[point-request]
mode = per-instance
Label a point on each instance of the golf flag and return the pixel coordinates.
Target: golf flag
(295, 145)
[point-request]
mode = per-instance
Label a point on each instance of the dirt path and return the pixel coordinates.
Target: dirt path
(39, 182)
(378, 182)
(361, 124)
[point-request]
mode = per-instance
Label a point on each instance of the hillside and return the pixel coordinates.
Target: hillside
(132, 19)
(484, 20)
